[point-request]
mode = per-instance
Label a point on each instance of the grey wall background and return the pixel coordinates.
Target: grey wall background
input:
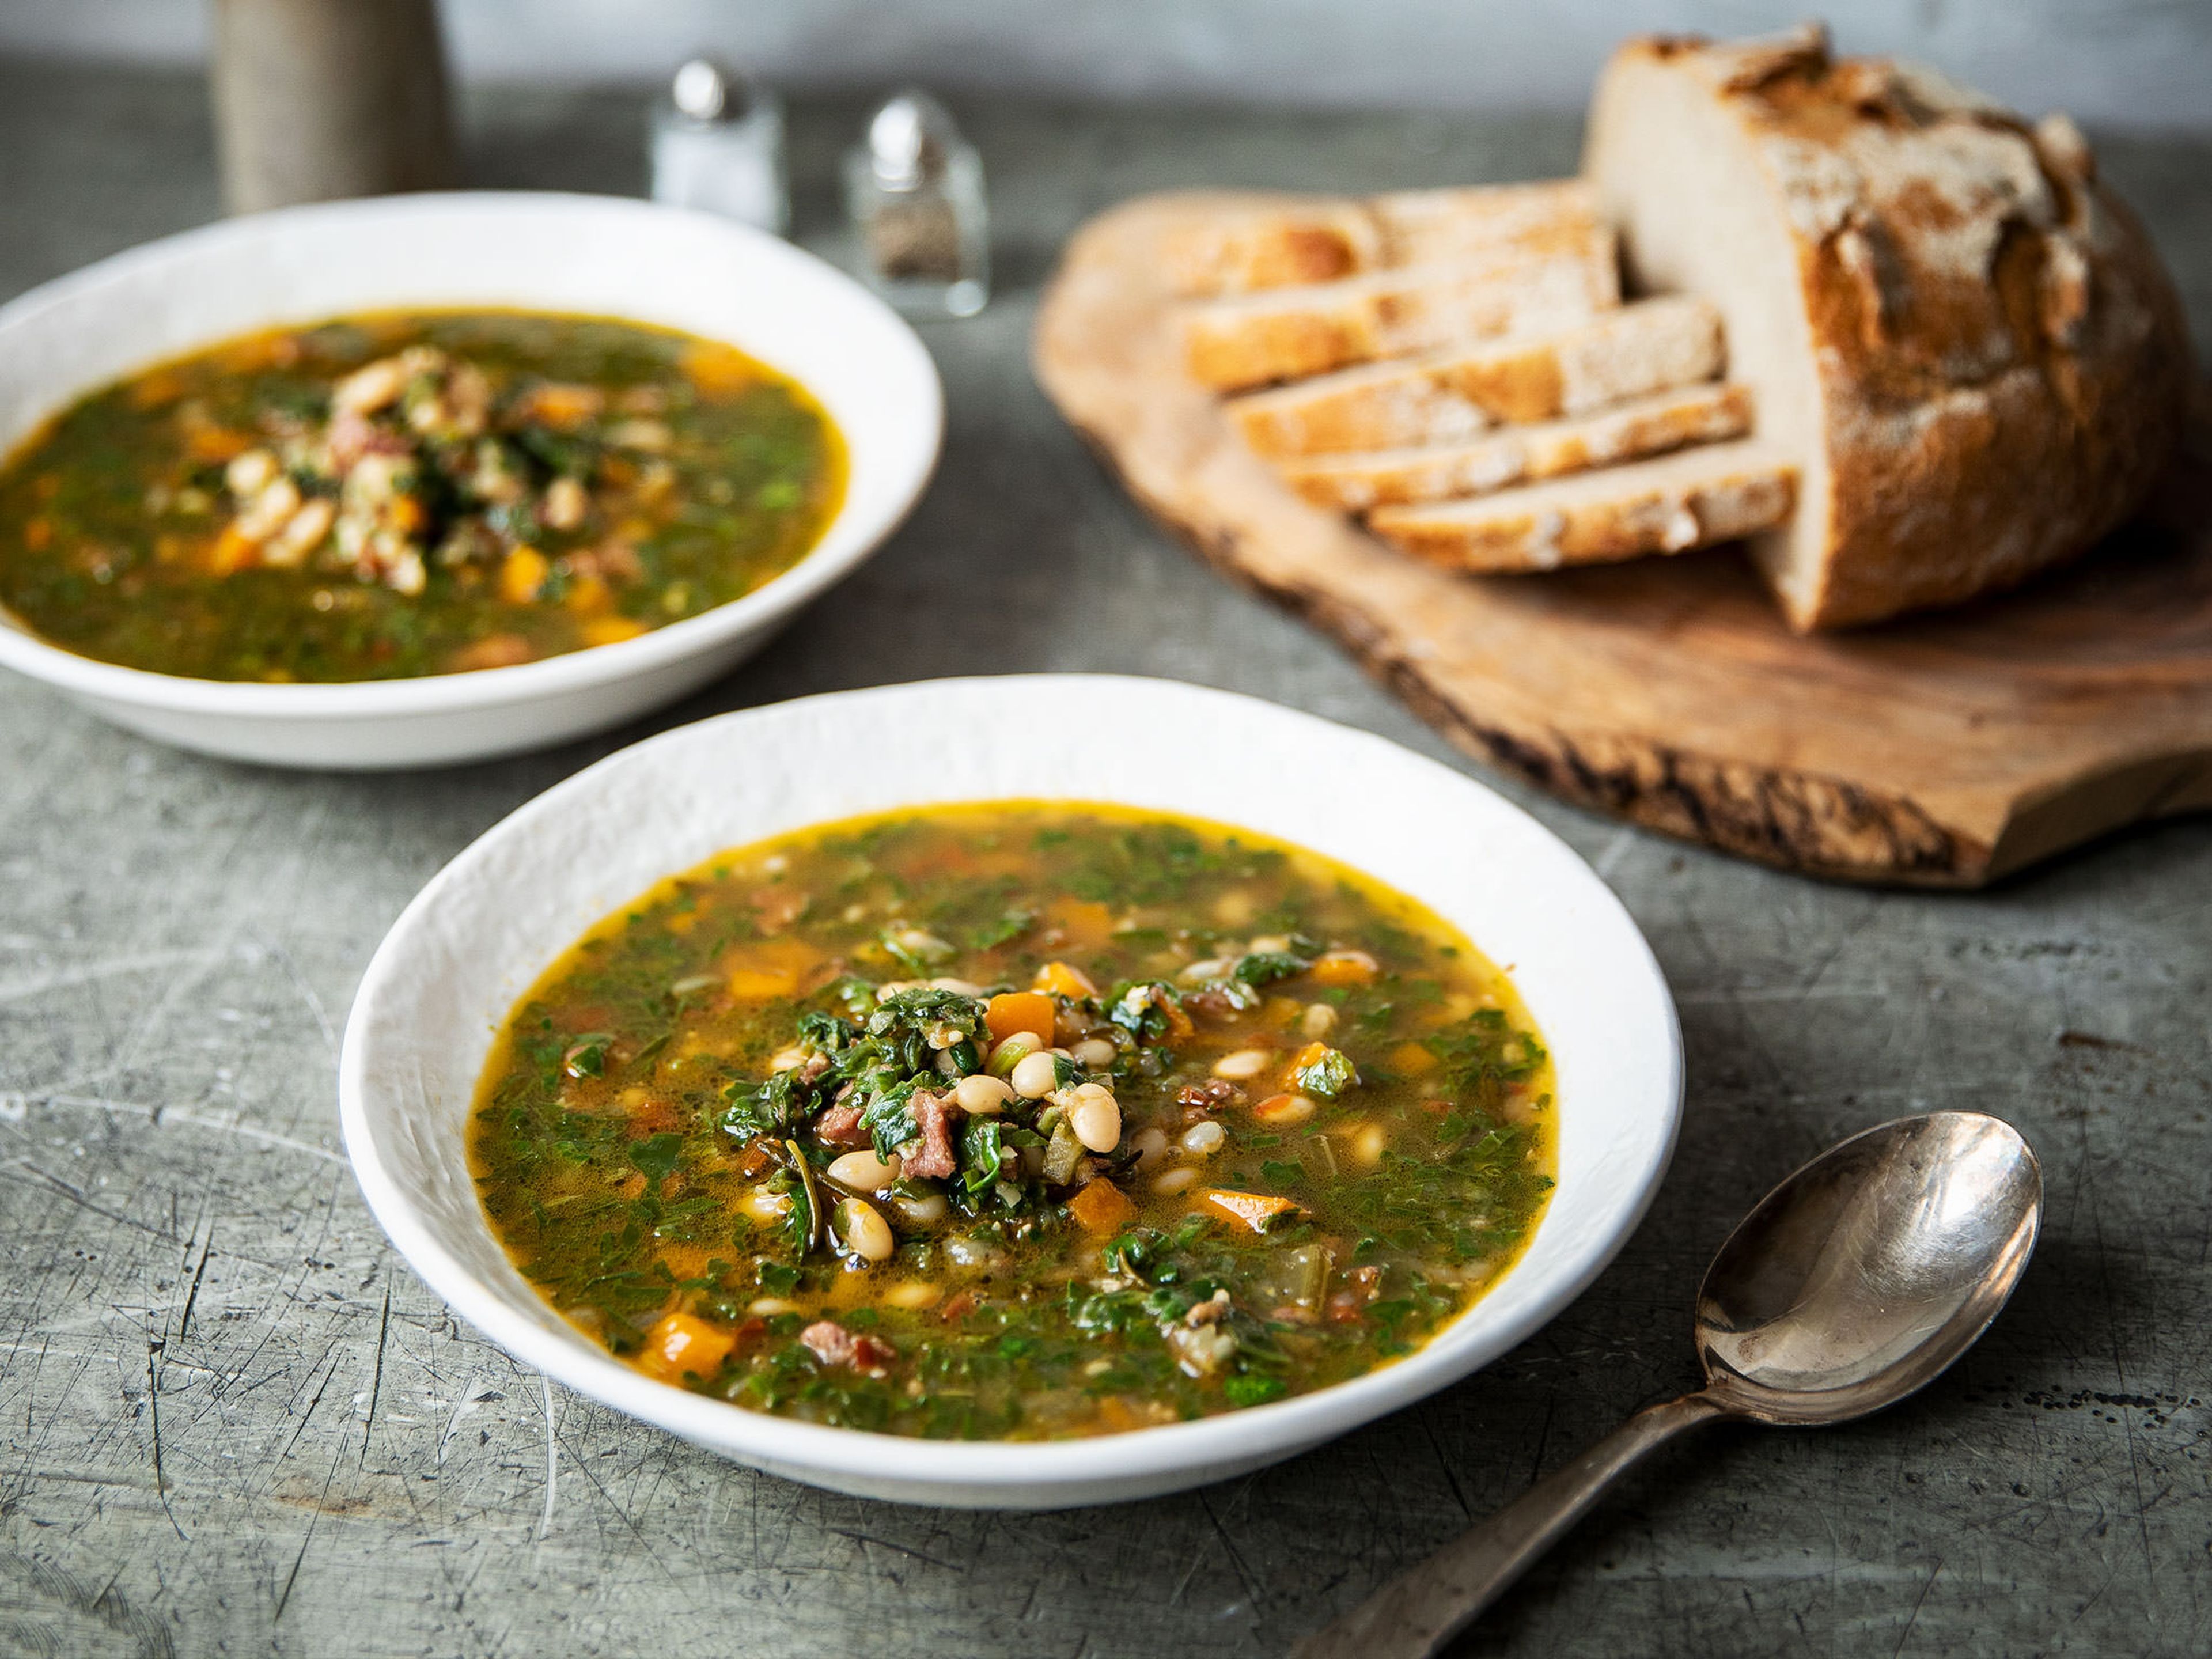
(2145, 65)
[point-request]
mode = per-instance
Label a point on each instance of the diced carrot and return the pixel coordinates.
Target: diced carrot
(521, 575)
(586, 595)
(37, 533)
(1412, 1059)
(563, 406)
(611, 630)
(718, 370)
(1344, 968)
(1086, 923)
(762, 985)
(151, 390)
(1312, 1054)
(1019, 1010)
(406, 515)
(1064, 980)
(684, 1342)
(215, 443)
(1100, 1207)
(1258, 1211)
(773, 968)
(1117, 1416)
(234, 550)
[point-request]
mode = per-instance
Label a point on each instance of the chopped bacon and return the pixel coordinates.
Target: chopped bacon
(755, 1161)
(934, 1118)
(1212, 1004)
(1201, 1100)
(833, 1344)
(1362, 1286)
(776, 908)
(840, 1126)
(960, 1306)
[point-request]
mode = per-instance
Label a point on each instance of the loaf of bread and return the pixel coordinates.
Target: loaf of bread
(1288, 332)
(1322, 239)
(1510, 454)
(1694, 497)
(1449, 395)
(1963, 339)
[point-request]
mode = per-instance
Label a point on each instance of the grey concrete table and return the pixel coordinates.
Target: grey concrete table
(231, 1421)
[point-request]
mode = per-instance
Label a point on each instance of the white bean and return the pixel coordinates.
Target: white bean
(1204, 1139)
(864, 1172)
(1270, 945)
(250, 472)
(1015, 1048)
(1283, 1109)
(966, 987)
(1035, 1076)
(919, 1209)
(1319, 1020)
(1175, 1181)
(1197, 973)
(1151, 1145)
(1243, 1063)
(981, 1097)
(867, 1234)
(762, 1208)
(1096, 1117)
(788, 1059)
(1095, 1054)
(915, 1293)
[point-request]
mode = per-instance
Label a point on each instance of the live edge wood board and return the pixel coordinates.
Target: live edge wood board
(1946, 751)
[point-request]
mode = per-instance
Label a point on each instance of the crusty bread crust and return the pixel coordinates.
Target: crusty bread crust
(1290, 333)
(1694, 497)
(1452, 394)
(1512, 454)
(1999, 362)
(1320, 239)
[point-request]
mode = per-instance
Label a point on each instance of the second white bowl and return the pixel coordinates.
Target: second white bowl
(600, 256)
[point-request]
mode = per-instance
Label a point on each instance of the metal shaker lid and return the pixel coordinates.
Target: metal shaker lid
(908, 140)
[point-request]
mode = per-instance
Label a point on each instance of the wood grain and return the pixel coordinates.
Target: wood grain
(1946, 750)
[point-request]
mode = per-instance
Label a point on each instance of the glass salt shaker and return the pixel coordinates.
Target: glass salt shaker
(718, 146)
(913, 190)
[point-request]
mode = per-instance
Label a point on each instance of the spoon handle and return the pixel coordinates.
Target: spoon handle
(1425, 1606)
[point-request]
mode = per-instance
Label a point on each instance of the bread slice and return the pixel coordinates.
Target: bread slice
(1303, 240)
(1967, 340)
(1450, 395)
(1511, 454)
(1713, 492)
(1288, 332)
(1320, 239)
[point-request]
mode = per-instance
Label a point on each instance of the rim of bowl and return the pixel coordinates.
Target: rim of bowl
(821, 566)
(1278, 1428)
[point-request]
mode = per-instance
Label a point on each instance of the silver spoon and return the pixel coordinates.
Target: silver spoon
(1855, 1282)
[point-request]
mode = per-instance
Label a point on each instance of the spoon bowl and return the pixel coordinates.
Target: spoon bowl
(1861, 1278)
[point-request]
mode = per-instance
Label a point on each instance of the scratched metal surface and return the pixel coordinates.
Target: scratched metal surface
(232, 1422)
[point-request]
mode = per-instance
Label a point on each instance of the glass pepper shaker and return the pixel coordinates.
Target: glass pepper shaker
(913, 190)
(718, 146)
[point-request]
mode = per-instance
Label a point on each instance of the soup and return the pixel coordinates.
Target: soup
(399, 494)
(1015, 1121)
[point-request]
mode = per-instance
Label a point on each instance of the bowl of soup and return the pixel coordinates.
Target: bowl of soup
(424, 479)
(1015, 1092)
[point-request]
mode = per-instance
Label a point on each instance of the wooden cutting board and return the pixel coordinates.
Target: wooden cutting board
(1946, 750)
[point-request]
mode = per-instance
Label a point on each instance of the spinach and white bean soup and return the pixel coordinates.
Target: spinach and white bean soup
(404, 494)
(1016, 1121)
